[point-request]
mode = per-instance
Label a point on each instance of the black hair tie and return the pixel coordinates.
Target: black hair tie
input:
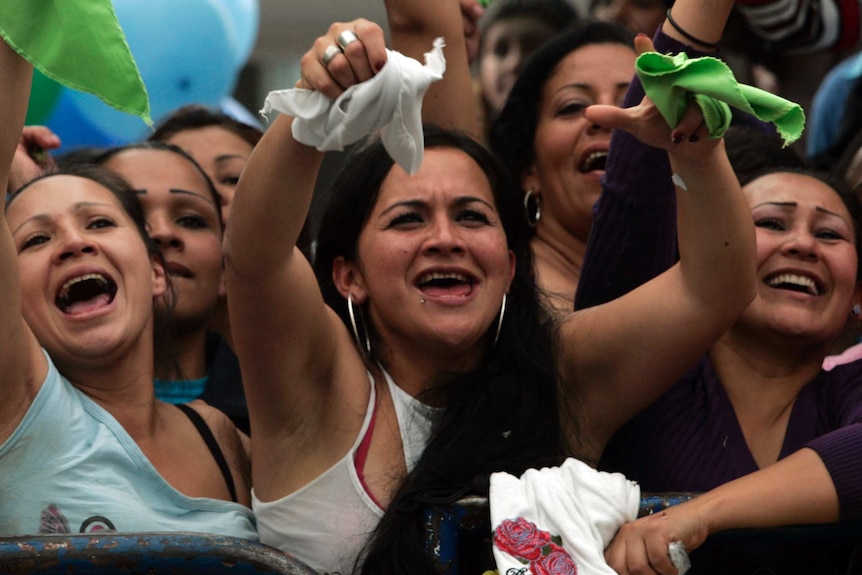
(686, 35)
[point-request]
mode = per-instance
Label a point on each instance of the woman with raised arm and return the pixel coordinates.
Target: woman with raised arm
(756, 423)
(84, 444)
(556, 156)
(425, 362)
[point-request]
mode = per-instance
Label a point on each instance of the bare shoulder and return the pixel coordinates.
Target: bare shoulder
(235, 444)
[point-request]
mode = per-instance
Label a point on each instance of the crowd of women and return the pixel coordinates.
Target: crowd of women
(589, 285)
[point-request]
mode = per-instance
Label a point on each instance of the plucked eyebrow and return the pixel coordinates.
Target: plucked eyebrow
(587, 87)
(419, 204)
(226, 157)
(45, 218)
(143, 191)
(794, 204)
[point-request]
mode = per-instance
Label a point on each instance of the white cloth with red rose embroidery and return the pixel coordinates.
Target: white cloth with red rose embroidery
(391, 102)
(582, 506)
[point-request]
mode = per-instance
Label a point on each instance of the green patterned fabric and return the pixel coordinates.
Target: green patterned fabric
(672, 81)
(80, 44)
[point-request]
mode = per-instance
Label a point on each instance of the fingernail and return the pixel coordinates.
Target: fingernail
(641, 35)
(693, 138)
(677, 137)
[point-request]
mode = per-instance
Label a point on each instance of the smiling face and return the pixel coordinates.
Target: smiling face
(183, 219)
(806, 257)
(87, 280)
(570, 150)
(221, 153)
(433, 262)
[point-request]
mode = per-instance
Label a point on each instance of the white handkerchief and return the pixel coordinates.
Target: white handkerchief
(553, 519)
(391, 102)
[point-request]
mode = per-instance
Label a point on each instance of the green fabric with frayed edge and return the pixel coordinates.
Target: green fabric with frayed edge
(80, 44)
(672, 81)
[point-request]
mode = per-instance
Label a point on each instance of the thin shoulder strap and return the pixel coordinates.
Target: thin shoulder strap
(212, 445)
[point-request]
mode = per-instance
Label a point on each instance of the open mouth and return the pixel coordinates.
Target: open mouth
(445, 284)
(594, 161)
(795, 282)
(86, 293)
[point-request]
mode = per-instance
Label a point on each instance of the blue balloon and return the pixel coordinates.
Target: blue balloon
(75, 130)
(185, 52)
(243, 16)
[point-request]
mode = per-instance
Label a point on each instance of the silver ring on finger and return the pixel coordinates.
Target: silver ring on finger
(346, 37)
(331, 52)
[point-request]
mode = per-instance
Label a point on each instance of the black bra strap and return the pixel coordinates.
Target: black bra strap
(212, 445)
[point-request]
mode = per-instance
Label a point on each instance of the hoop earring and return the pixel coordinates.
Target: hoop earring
(534, 214)
(500, 321)
(355, 329)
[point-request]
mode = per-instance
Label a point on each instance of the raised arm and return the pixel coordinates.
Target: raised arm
(22, 366)
(304, 379)
(32, 157)
(413, 25)
(639, 197)
(618, 357)
(637, 194)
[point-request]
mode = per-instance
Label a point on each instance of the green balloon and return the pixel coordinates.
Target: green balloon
(43, 97)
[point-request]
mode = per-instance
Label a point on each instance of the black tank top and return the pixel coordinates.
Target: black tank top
(212, 445)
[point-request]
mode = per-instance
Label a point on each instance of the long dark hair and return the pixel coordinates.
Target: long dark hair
(513, 133)
(127, 198)
(500, 417)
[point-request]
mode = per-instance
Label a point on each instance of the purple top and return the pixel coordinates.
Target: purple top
(689, 440)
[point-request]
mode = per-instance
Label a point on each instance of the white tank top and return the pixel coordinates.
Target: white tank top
(327, 522)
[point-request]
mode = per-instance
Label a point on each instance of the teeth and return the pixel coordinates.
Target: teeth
(794, 279)
(443, 276)
(593, 157)
(64, 291)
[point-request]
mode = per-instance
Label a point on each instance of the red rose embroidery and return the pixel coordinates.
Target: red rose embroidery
(557, 562)
(521, 538)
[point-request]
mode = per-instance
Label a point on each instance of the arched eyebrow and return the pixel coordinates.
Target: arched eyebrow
(143, 191)
(795, 204)
(420, 204)
(226, 157)
(46, 218)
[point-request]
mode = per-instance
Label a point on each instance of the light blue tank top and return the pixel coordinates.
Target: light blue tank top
(70, 467)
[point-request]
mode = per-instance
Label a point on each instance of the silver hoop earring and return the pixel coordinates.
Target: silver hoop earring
(355, 329)
(534, 212)
(500, 321)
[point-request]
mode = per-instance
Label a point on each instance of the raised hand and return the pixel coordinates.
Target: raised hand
(471, 11)
(349, 53)
(646, 123)
(31, 156)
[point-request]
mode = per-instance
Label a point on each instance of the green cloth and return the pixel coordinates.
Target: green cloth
(80, 44)
(672, 81)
